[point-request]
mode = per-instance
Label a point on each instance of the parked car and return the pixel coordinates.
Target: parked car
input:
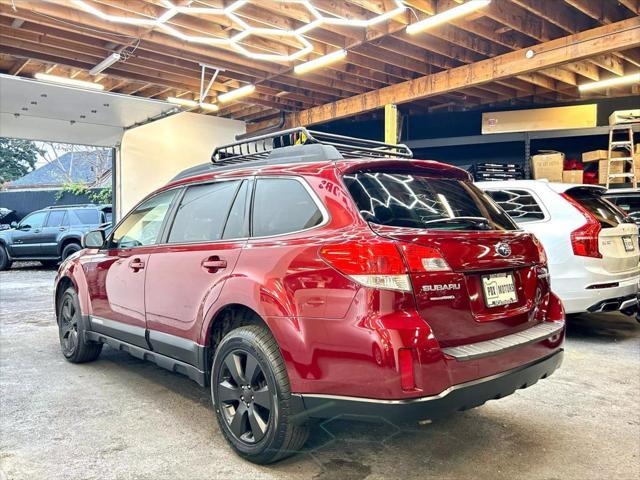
(627, 199)
(315, 280)
(591, 245)
(6, 217)
(51, 234)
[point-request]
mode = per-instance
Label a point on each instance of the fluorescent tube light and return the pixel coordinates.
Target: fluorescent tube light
(320, 61)
(184, 102)
(45, 77)
(106, 63)
(610, 82)
(237, 93)
(447, 15)
(212, 107)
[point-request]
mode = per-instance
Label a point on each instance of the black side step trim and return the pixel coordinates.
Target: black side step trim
(143, 354)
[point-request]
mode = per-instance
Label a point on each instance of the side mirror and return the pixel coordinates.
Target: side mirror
(24, 226)
(93, 239)
(13, 224)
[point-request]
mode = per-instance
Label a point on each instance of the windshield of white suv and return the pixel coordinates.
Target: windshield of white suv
(405, 200)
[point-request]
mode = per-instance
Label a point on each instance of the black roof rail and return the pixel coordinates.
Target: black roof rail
(78, 205)
(261, 147)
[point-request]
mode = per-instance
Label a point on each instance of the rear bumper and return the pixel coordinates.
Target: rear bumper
(627, 305)
(583, 297)
(456, 398)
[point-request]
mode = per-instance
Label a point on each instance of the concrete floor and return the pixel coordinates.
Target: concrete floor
(122, 418)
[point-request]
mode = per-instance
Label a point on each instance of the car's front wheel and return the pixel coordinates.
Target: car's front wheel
(75, 347)
(252, 397)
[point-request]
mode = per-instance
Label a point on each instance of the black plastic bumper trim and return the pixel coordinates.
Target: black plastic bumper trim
(456, 398)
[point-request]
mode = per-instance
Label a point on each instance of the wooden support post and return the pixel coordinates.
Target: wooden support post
(391, 123)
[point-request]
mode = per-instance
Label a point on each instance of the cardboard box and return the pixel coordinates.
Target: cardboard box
(572, 176)
(537, 119)
(597, 155)
(624, 116)
(548, 165)
(616, 167)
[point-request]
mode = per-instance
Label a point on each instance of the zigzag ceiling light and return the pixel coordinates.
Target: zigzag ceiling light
(246, 29)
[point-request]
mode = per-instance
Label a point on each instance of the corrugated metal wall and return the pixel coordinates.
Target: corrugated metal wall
(24, 202)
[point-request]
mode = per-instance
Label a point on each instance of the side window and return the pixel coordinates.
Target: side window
(142, 225)
(203, 212)
(519, 204)
(35, 220)
(57, 218)
(282, 205)
(237, 226)
(84, 216)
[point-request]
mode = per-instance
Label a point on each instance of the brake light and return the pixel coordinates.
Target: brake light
(423, 259)
(373, 264)
(584, 240)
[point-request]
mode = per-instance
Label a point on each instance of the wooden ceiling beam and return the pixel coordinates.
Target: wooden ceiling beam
(18, 66)
(605, 12)
(178, 57)
(601, 40)
(561, 15)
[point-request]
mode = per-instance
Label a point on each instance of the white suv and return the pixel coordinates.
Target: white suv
(592, 247)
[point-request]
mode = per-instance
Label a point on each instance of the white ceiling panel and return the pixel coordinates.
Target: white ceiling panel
(37, 110)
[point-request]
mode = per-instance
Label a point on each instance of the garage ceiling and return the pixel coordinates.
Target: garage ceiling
(69, 38)
(43, 111)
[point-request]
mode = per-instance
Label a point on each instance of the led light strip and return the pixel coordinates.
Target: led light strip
(247, 30)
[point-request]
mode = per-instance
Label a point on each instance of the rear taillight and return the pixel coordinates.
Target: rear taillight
(584, 240)
(383, 264)
(423, 259)
(375, 265)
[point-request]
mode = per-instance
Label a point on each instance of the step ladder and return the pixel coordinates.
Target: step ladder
(621, 140)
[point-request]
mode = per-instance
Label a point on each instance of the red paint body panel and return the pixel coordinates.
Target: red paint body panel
(336, 336)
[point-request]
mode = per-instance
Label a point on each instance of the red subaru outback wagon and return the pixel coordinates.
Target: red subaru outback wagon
(305, 275)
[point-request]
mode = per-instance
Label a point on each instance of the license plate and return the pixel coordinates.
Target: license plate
(628, 244)
(499, 289)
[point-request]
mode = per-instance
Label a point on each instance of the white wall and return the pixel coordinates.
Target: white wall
(154, 153)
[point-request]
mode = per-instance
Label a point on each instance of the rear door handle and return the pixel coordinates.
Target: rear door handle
(136, 264)
(213, 264)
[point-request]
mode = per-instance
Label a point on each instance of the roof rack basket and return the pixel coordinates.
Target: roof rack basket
(260, 147)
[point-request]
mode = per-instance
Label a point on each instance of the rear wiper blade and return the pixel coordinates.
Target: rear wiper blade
(480, 221)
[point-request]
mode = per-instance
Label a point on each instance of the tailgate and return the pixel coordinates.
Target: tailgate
(488, 293)
(619, 248)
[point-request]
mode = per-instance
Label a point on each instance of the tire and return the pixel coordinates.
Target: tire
(75, 347)
(70, 249)
(49, 263)
(265, 431)
(5, 263)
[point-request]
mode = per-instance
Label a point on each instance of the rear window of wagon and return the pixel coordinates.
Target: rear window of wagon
(414, 201)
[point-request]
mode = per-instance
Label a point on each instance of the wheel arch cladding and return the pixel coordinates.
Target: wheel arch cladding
(63, 284)
(228, 318)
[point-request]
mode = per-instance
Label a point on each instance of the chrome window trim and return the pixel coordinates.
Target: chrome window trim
(326, 217)
(314, 197)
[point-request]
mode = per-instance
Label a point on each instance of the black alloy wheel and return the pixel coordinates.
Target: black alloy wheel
(75, 347)
(246, 401)
(68, 326)
(252, 396)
